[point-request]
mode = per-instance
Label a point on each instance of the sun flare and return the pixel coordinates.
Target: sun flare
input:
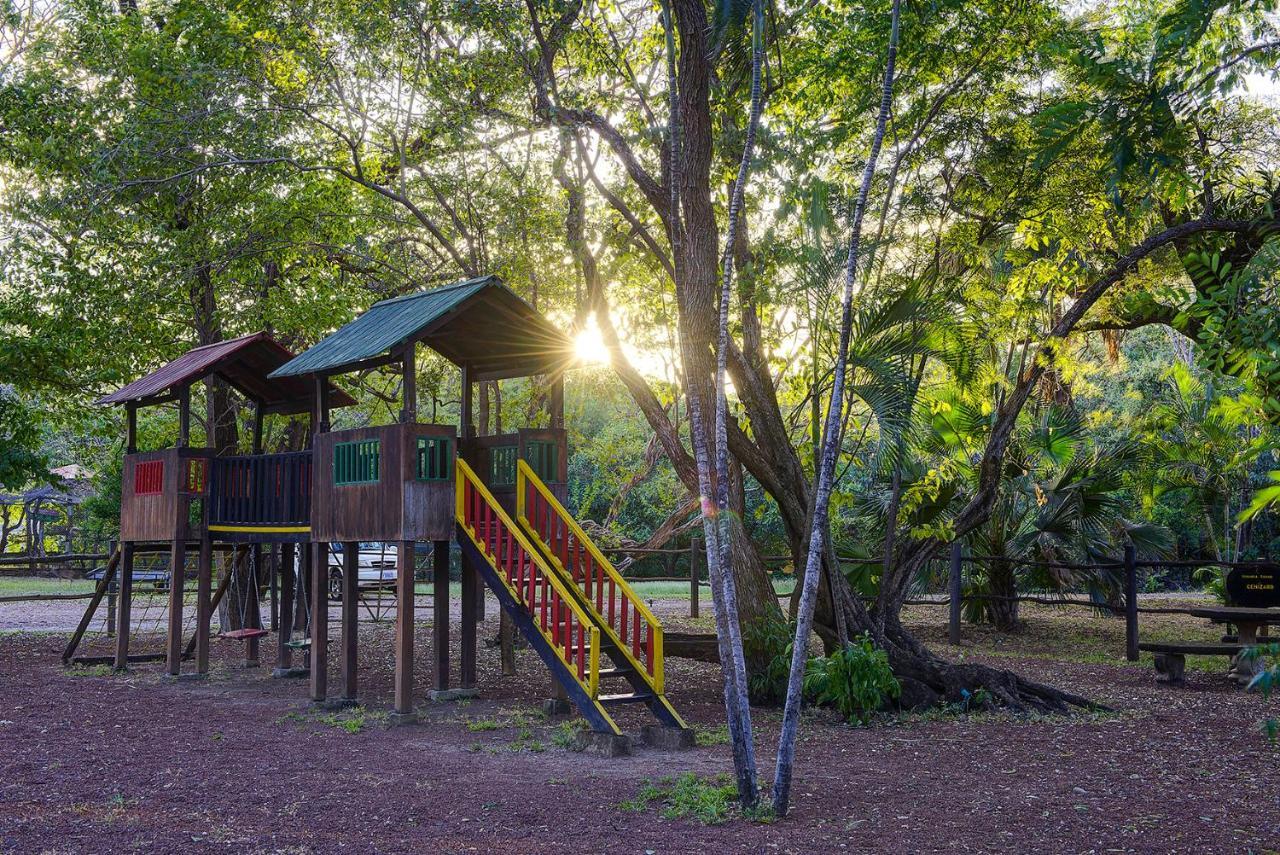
(589, 346)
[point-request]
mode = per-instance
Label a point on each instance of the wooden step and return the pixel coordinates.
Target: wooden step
(630, 698)
(616, 672)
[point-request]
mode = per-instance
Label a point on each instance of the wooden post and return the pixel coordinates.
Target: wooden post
(320, 422)
(284, 653)
(956, 591)
(466, 429)
(506, 644)
(350, 618)
(409, 410)
(131, 427)
(440, 611)
(472, 606)
(184, 417)
(204, 605)
(1130, 603)
(252, 648)
(697, 556)
(404, 628)
(470, 588)
(177, 584)
(126, 606)
(319, 621)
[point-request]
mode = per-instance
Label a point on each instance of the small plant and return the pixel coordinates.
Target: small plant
(1267, 680)
(353, 721)
(89, 671)
(1213, 580)
(524, 741)
(566, 734)
(648, 793)
(856, 680)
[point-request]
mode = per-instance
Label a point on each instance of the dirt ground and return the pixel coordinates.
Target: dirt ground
(91, 762)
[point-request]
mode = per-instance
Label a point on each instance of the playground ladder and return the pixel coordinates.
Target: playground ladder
(568, 622)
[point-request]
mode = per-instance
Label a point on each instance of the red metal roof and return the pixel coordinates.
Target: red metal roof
(243, 362)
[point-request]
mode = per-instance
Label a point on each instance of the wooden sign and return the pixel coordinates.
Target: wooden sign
(1254, 587)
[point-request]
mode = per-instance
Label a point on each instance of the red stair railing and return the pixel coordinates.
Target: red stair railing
(626, 618)
(533, 584)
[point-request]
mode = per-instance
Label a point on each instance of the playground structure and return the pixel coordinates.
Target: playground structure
(500, 497)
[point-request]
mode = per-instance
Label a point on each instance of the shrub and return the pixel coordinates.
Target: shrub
(1267, 680)
(856, 680)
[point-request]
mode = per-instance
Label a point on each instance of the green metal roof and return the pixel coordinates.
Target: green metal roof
(479, 322)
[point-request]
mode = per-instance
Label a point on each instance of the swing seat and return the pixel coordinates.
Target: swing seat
(302, 644)
(244, 634)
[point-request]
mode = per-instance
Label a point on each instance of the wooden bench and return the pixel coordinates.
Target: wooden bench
(1171, 657)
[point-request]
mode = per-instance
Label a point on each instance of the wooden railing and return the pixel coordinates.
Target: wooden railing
(625, 617)
(261, 490)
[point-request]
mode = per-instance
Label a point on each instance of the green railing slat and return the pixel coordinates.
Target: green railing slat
(433, 458)
(357, 462)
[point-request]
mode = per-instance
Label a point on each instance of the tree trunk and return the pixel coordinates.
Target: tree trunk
(1002, 582)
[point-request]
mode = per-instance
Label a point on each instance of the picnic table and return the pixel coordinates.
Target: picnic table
(1251, 625)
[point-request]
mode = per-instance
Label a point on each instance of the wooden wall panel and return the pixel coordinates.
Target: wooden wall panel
(398, 507)
(428, 505)
(158, 516)
(356, 511)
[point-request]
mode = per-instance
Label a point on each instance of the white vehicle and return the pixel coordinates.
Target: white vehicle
(377, 567)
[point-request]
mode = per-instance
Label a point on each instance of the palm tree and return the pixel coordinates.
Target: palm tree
(1061, 504)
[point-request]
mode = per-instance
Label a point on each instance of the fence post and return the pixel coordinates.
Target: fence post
(697, 554)
(1130, 603)
(957, 591)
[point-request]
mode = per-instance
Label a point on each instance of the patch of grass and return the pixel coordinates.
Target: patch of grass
(680, 590)
(18, 585)
(648, 792)
(718, 735)
(711, 801)
(479, 725)
(88, 671)
(524, 741)
(566, 734)
(353, 720)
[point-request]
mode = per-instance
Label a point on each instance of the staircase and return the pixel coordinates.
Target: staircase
(566, 599)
